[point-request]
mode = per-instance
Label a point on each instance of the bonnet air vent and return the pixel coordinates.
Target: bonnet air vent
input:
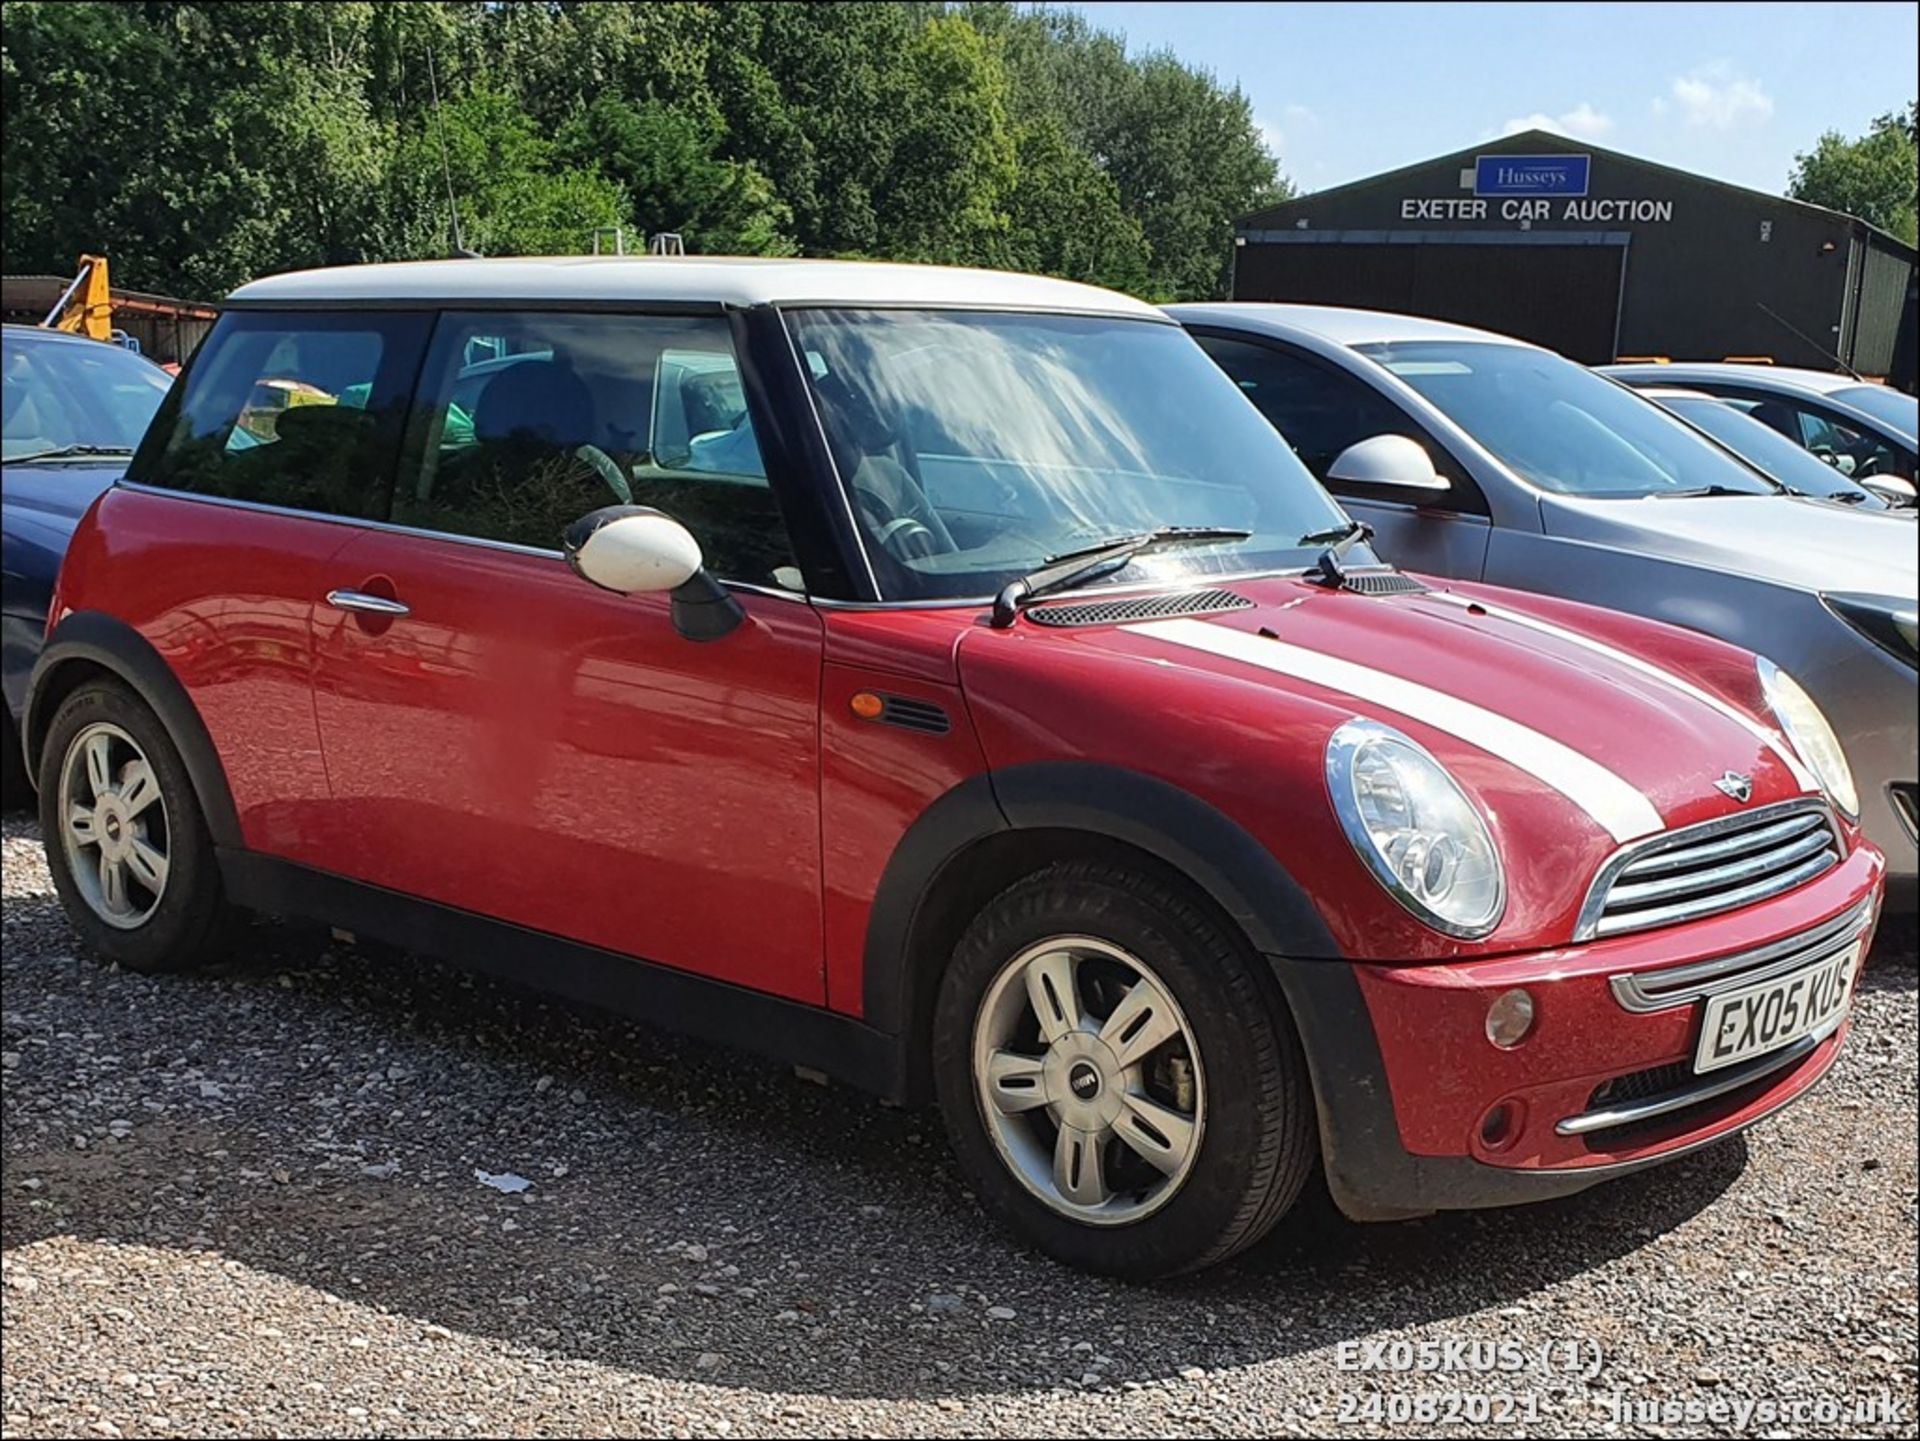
(1138, 607)
(914, 715)
(1381, 582)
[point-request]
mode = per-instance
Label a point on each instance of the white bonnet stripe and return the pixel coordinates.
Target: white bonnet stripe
(1666, 677)
(1619, 807)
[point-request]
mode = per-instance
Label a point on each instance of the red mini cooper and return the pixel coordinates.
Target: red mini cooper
(950, 682)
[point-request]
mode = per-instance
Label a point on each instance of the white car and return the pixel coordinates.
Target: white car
(1865, 431)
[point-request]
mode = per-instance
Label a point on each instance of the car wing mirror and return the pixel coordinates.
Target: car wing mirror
(637, 550)
(1391, 461)
(1890, 488)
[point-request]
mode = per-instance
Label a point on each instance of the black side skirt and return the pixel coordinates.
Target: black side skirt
(840, 1046)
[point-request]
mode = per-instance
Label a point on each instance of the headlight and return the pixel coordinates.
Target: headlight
(1415, 828)
(1812, 737)
(1885, 620)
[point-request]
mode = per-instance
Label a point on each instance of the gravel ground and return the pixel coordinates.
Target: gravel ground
(245, 1203)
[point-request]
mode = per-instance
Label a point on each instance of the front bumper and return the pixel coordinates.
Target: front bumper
(1405, 1079)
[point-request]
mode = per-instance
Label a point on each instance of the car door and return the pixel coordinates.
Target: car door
(504, 738)
(235, 505)
(1321, 410)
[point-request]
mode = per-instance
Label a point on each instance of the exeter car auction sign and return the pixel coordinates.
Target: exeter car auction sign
(1534, 187)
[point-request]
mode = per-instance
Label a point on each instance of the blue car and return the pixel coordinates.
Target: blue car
(72, 412)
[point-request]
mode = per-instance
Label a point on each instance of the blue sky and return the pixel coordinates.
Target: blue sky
(1729, 90)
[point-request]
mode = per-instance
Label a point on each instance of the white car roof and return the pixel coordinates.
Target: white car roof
(712, 280)
(1339, 324)
(1784, 376)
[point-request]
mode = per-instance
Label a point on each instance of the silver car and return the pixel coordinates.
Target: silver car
(1485, 458)
(1867, 432)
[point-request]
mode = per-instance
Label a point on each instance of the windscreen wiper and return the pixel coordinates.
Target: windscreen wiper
(1711, 490)
(1077, 567)
(64, 452)
(1328, 570)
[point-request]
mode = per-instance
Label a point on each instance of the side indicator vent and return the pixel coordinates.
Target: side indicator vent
(913, 715)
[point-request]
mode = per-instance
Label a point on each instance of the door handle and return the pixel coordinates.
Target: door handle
(359, 600)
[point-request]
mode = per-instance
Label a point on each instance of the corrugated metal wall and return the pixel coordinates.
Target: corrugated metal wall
(1879, 303)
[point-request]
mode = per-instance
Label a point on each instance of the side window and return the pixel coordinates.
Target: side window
(1826, 435)
(1852, 451)
(527, 421)
(292, 409)
(1321, 412)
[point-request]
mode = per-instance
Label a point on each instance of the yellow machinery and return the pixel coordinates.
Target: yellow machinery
(86, 306)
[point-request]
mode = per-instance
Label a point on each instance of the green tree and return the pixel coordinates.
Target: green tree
(1875, 177)
(1065, 217)
(952, 161)
(1183, 153)
(514, 196)
(202, 144)
(668, 164)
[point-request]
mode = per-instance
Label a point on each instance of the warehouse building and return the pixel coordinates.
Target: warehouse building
(1597, 255)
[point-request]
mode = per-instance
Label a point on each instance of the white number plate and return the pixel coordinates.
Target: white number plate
(1760, 1018)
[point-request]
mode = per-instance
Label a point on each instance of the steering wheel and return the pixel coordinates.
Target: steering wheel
(902, 536)
(608, 469)
(896, 513)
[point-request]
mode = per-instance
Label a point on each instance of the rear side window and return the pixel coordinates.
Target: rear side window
(1321, 411)
(527, 421)
(298, 410)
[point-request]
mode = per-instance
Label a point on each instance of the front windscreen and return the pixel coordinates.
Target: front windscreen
(976, 445)
(1761, 446)
(1559, 425)
(61, 394)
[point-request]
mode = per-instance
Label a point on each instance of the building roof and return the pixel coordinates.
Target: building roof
(700, 280)
(1342, 325)
(36, 294)
(1529, 142)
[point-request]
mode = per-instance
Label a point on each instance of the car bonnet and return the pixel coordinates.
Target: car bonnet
(1790, 540)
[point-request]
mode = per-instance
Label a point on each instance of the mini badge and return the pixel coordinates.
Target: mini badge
(1737, 785)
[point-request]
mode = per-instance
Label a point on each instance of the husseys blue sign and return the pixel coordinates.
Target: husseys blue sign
(1531, 174)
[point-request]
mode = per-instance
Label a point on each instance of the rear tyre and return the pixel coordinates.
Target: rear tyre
(126, 842)
(1120, 1079)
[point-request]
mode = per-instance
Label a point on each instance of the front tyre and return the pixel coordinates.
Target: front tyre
(1121, 1081)
(126, 842)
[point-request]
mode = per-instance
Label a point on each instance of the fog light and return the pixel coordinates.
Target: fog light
(1500, 1125)
(1509, 1019)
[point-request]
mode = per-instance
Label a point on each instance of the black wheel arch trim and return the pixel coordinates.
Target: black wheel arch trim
(1174, 826)
(116, 647)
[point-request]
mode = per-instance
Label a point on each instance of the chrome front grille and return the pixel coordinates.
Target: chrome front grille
(1682, 985)
(1713, 867)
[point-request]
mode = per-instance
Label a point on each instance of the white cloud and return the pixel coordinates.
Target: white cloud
(1715, 96)
(1295, 121)
(1582, 122)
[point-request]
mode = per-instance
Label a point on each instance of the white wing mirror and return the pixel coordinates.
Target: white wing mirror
(1890, 488)
(1392, 461)
(636, 550)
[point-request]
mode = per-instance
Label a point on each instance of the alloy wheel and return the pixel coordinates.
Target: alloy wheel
(113, 825)
(1089, 1080)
